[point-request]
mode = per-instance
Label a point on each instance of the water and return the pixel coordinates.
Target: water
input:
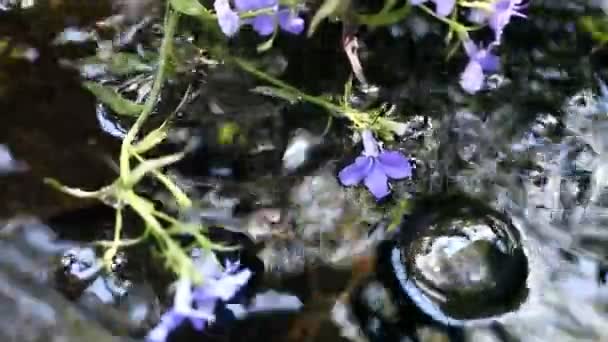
(533, 149)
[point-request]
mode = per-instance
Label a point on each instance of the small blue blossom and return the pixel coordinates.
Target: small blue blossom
(227, 18)
(197, 305)
(264, 24)
(374, 167)
(498, 15)
(480, 61)
(442, 7)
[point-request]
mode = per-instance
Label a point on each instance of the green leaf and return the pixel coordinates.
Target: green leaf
(120, 63)
(276, 92)
(597, 27)
(329, 8)
(113, 99)
(189, 7)
(265, 46)
(151, 165)
(151, 140)
(396, 213)
(123, 63)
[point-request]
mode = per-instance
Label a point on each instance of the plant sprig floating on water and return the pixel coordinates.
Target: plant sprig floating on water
(372, 119)
(375, 165)
(121, 194)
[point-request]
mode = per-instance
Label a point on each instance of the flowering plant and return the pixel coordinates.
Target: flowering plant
(375, 166)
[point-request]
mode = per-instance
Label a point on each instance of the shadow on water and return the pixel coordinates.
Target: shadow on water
(47, 121)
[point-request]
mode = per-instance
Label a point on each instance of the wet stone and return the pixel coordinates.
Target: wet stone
(459, 260)
(32, 310)
(119, 305)
(300, 150)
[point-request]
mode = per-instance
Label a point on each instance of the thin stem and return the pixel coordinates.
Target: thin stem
(172, 18)
(309, 98)
(179, 195)
(385, 18)
(174, 254)
(359, 119)
(456, 26)
(111, 252)
(76, 192)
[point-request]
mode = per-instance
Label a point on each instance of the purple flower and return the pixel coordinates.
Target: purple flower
(498, 15)
(198, 305)
(264, 24)
(227, 18)
(374, 167)
(480, 61)
(442, 7)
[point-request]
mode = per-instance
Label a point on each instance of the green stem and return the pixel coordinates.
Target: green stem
(179, 195)
(385, 18)
(174, 254)
(456, 26)
(359, 119)
(165, 48)
(335, 109)
(111, 252)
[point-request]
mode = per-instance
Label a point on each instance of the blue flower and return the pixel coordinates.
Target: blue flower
(374, 167)
(227, 18)
(264, 24)
(442, 7)
(503, 11)
(480, 61)
(197, 305)
(498, 14)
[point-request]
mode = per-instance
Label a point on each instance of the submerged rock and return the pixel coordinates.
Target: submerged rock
(300, 150)
(459, 260)
(34, 313)
(32, 310)
(455, 265)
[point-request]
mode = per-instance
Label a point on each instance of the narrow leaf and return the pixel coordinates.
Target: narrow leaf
(123, 63)
(329, 8)
(265, 46)
(151, 165)
(151, 140)
(277, 93)
(189, 7)
(113, 99)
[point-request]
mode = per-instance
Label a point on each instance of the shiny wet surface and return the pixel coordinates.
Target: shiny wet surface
(532, 151)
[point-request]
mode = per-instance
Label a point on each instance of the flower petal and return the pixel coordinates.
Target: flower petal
(290, 22)
(198, 323)
(207, 265)
(228, 19)
(377, 182)
(355, 172)
(168, 322)
(472, 78)
(444, 7)
(264, 24)
(470, 47)
(395, 165)
(478, 16)
(251, 5)
(182, 300)
(371, 147)
(227, 286)
(488, 61)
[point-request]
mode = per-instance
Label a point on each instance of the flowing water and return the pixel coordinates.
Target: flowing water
(506, 239)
